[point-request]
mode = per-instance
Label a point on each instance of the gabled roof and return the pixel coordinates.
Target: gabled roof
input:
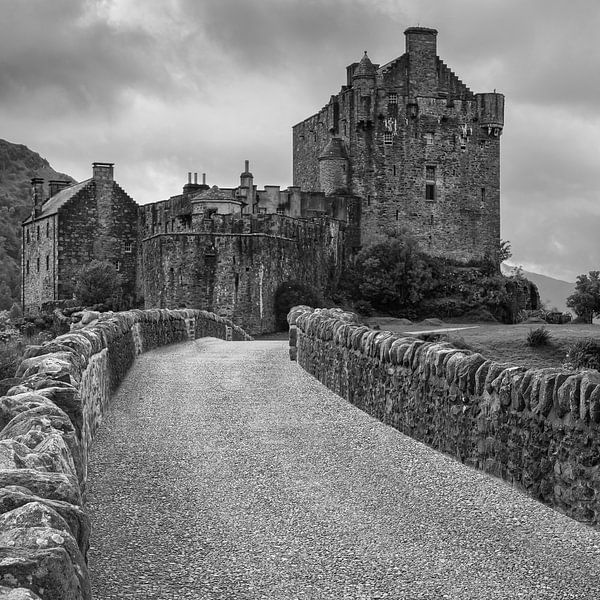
(214, 194)
(52, 205)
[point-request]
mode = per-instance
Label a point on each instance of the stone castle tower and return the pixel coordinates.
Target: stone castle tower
(417, 148)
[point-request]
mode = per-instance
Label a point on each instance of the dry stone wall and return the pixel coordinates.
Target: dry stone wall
(538, 429)
(48, 419)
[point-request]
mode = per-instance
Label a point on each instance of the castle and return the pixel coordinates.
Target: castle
(405, 144)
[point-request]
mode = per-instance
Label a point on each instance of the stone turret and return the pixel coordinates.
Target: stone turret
(490, 112)
(364, 80)
(333, 167)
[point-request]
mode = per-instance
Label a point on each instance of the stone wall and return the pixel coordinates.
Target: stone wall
(537, 429)
(100, 223)
(39, 262)
(47, 422)
(236, 266)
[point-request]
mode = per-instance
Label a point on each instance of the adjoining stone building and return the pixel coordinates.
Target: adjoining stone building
(418, 148)
(94, 219)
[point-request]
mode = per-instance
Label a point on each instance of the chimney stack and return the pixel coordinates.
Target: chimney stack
(102, 171)
(195, 178)
(421, 47)
(56, 185)
(37, 195)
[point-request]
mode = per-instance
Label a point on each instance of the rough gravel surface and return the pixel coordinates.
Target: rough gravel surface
(223, 471)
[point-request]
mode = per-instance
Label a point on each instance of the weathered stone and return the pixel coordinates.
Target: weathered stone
(7, 593)
(12, 497)
(55, 486)
(11, 406)
(589, 381)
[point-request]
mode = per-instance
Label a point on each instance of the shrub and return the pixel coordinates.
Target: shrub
(99, 281)
(538, 337)
(584, 354)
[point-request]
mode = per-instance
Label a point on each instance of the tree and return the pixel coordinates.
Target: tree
(585, 301)
(98, 282)
(391, 273)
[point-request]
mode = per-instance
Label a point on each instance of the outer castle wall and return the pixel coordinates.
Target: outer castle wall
(47, 421)
(538, 429)
(236, 265)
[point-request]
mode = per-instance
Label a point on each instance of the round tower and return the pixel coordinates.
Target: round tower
(490, 111)
(333, 168)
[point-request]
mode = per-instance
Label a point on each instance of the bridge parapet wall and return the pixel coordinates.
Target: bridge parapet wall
(47, 423)
(538, 429)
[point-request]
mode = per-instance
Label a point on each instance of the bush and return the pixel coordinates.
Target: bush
(584, 354)
(538, 337)
(364, 308)
(98, 282)
(292, 294)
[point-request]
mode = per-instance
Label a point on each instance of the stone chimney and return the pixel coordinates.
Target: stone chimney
(421, 47)
(190, 188)
(37, 196)
(56, 185)
(103, 171)
(246, 189)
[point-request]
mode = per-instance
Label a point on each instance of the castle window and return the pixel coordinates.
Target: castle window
(28, 237)
(397, 215)
(394, 170)
(429, 182)
(47, 229)
(431, 220)
(128, 247)
(27, 267)
(38, 232)
(47, 262)
(37, 264)
(392, 98)
(118, 265)
(428, 137)
(482, 196)
(388, 138)
(368, 199)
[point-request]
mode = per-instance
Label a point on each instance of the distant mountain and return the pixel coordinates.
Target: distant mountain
(553, 292)
(18, 164)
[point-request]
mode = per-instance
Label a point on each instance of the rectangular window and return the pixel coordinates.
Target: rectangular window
(397, 215)
(128, 247)
(368, 199)
(430, 173)
(392, 98)
(27, 268)
(388, 138)
(430, 191)
(394, 170)
(28, 237)
(47, 262)
(482, 195)
(118, 265)
(428, 137)
(37, 263)
(38, 233)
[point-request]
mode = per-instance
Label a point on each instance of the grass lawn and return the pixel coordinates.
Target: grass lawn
(504, 343)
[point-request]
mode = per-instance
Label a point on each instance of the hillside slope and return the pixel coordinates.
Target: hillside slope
(553, 292)
(18, 164)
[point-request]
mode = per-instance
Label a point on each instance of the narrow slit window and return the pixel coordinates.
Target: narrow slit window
(27, 268)
(430, 191)
(47, 262)
(48, 229)
(482, 195)
(37, 264)
(394, 170)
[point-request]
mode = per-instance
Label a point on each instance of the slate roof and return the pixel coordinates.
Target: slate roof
(52, 205)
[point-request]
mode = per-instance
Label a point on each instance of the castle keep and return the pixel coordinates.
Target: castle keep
(403, 145)
(418, 148)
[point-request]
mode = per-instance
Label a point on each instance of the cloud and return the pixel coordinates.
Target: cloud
(171, 86)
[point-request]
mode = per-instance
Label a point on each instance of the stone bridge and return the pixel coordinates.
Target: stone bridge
(223, 470)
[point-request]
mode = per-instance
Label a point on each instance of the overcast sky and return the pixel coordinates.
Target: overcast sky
(163, 87)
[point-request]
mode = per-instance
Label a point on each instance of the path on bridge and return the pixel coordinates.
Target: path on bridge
(224, 472)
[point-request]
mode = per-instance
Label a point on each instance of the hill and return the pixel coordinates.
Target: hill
(18, 164)
(553, 292)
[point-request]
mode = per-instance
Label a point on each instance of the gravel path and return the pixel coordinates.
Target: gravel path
(225, 472)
